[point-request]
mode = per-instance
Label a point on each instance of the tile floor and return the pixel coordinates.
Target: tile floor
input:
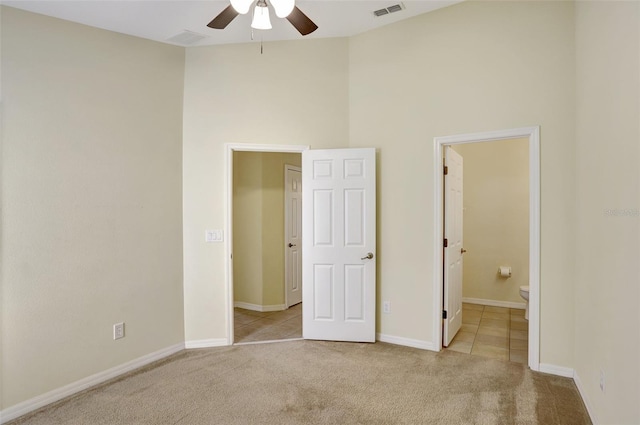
(253, 326)
(496, 332)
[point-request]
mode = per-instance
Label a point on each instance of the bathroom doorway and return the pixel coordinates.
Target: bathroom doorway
(501, 228)
(496, 249)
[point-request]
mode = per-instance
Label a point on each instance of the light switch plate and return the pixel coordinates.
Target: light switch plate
(213, 236)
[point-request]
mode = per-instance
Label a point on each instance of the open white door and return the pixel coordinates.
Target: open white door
(338, 257)
(293, 233)
(453, 250)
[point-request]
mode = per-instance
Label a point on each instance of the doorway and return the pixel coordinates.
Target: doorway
(255, 228)
(531, 134)
(339, 262)
(494, 223)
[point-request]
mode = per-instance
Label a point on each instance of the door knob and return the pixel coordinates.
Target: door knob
(291, 244)
(462, 250)
(368, 257)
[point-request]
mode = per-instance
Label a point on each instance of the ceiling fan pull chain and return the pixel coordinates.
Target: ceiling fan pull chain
(252, 33)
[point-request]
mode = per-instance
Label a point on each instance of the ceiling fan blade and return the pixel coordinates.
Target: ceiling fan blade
(301, 22)
(221, 21)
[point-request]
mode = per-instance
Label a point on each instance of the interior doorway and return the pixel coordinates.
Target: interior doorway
(492, 218)
(255, 225)
(339, 212)
(531, 134)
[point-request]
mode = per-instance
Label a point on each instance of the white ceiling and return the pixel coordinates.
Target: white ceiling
(160, 20)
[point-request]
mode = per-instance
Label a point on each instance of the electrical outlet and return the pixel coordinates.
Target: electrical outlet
(386, 307)
(602, 380)
(118, 330)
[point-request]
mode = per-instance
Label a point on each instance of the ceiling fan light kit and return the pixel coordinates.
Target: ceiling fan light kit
(241, 6)
(283, 8)
(261, 19)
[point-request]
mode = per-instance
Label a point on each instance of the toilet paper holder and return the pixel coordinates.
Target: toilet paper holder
(504, 271)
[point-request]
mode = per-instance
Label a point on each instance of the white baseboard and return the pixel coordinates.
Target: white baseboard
(585, 399)
(551, 369)
(35, 403)
(206, 343)
(257, 307)
(408, 342)
(493, 303)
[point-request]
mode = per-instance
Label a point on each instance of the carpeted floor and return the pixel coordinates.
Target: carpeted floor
(311, 382)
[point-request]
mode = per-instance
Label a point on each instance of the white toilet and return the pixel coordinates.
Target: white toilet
(524, 293)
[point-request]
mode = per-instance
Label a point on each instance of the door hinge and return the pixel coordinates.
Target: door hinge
(446, 170)
(446, 242)
(444, 314)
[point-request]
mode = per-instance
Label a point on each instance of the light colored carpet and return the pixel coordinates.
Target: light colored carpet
(312, 382)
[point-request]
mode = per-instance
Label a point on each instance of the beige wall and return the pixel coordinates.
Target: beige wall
(91, 233)
(247, 227)
(258, 226)
(91, 220)
(496, 218)
(296, 93)
(472, 67)
(607, 156)
(456, 70)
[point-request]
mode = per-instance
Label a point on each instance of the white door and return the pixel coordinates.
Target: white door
(454, 249)
(339, 263)
(292, 234)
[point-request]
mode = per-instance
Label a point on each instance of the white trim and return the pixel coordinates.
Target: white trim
(257, 307)
(228, 219)
(407, 342)
(206, 343)
(35, 403)
(252, 147)
(534, 247)
(495, 303)
(585, 399)
(551, 369)
(533, 134)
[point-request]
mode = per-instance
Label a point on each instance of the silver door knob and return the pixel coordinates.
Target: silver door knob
(368, 257)
(291, 244)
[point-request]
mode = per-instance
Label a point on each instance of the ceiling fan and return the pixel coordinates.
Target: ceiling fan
(283, 8)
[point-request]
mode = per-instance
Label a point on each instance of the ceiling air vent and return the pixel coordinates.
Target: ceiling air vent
(391, 9)
(186, 38)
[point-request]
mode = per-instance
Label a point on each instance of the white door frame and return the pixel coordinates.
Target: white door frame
(533, 134)
(230, 148)
(289, 167)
